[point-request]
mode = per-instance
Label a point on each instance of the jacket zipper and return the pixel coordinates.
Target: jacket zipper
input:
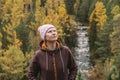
(54, 66)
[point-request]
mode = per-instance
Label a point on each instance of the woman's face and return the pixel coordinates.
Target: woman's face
(51, 35)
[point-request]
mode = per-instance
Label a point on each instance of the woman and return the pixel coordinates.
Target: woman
(53, 61)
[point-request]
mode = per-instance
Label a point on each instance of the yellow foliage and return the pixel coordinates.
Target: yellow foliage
(97, 72)
(12, 11)
(91, 16)
(76, 6)
(12, 37)
(0, 44)
(114, 36)
(116, 17)
(0, 35)
(54, 13)
(12, 61)
(27, 1)
(115, 10)
(28, 58)
(57, 14)
(99, 15)
(39, 15)
(109, 0)
(62, 10)
(15, 11)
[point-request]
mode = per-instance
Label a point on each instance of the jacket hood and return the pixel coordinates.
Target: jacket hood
(43, 45)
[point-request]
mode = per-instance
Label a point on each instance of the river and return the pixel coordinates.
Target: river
(82, 51)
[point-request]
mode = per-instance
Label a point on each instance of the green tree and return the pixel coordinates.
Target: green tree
(28, 57)
(103, 50)
(12, 64)
(82, 13)
(70, 6)
(2, 2)
(92, 39)
(114, 38)
(70, 36)
(42, 3)
(97, 21)
(115, 43)
(113, 73)
(33, 21)
(92, 6)
(0, 42)
(11, 36)
(76, 6)
(12, 12)
(23, 35)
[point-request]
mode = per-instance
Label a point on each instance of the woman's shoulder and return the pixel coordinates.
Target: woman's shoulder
(65, 47)
(38, 52)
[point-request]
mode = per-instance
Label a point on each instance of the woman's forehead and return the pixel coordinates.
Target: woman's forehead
(51, 29)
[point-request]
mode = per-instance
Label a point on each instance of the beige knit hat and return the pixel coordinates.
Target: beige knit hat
(43, 29)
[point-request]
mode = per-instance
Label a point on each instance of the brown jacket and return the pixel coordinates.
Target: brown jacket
(53, 65)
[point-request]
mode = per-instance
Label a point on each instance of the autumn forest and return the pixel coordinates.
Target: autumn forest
(19, 38)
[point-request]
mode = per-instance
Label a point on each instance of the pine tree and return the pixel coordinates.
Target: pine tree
(11, 36)
(92, 6)
(115, 10)
(115, 43)
(1, 54)
(23, 35)
(33, 21)
(97, 21)
(12, 64)
(12, 13)
(42, 3)
(0, 42)
(92, 39)
(114, 37)
(28, 57)
(70, 6)
(82, 13)
(103, 50)
(76, 6)
(2, 2)
(100, 15)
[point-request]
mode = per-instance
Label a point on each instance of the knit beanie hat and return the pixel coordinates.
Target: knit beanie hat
(43, 29)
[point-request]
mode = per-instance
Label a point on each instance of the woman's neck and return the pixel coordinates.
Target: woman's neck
(51, 45)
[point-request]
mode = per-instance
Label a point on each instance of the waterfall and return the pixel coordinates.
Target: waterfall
(82, 51)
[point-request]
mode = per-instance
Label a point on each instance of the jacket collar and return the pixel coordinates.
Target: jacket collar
(43, 45)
